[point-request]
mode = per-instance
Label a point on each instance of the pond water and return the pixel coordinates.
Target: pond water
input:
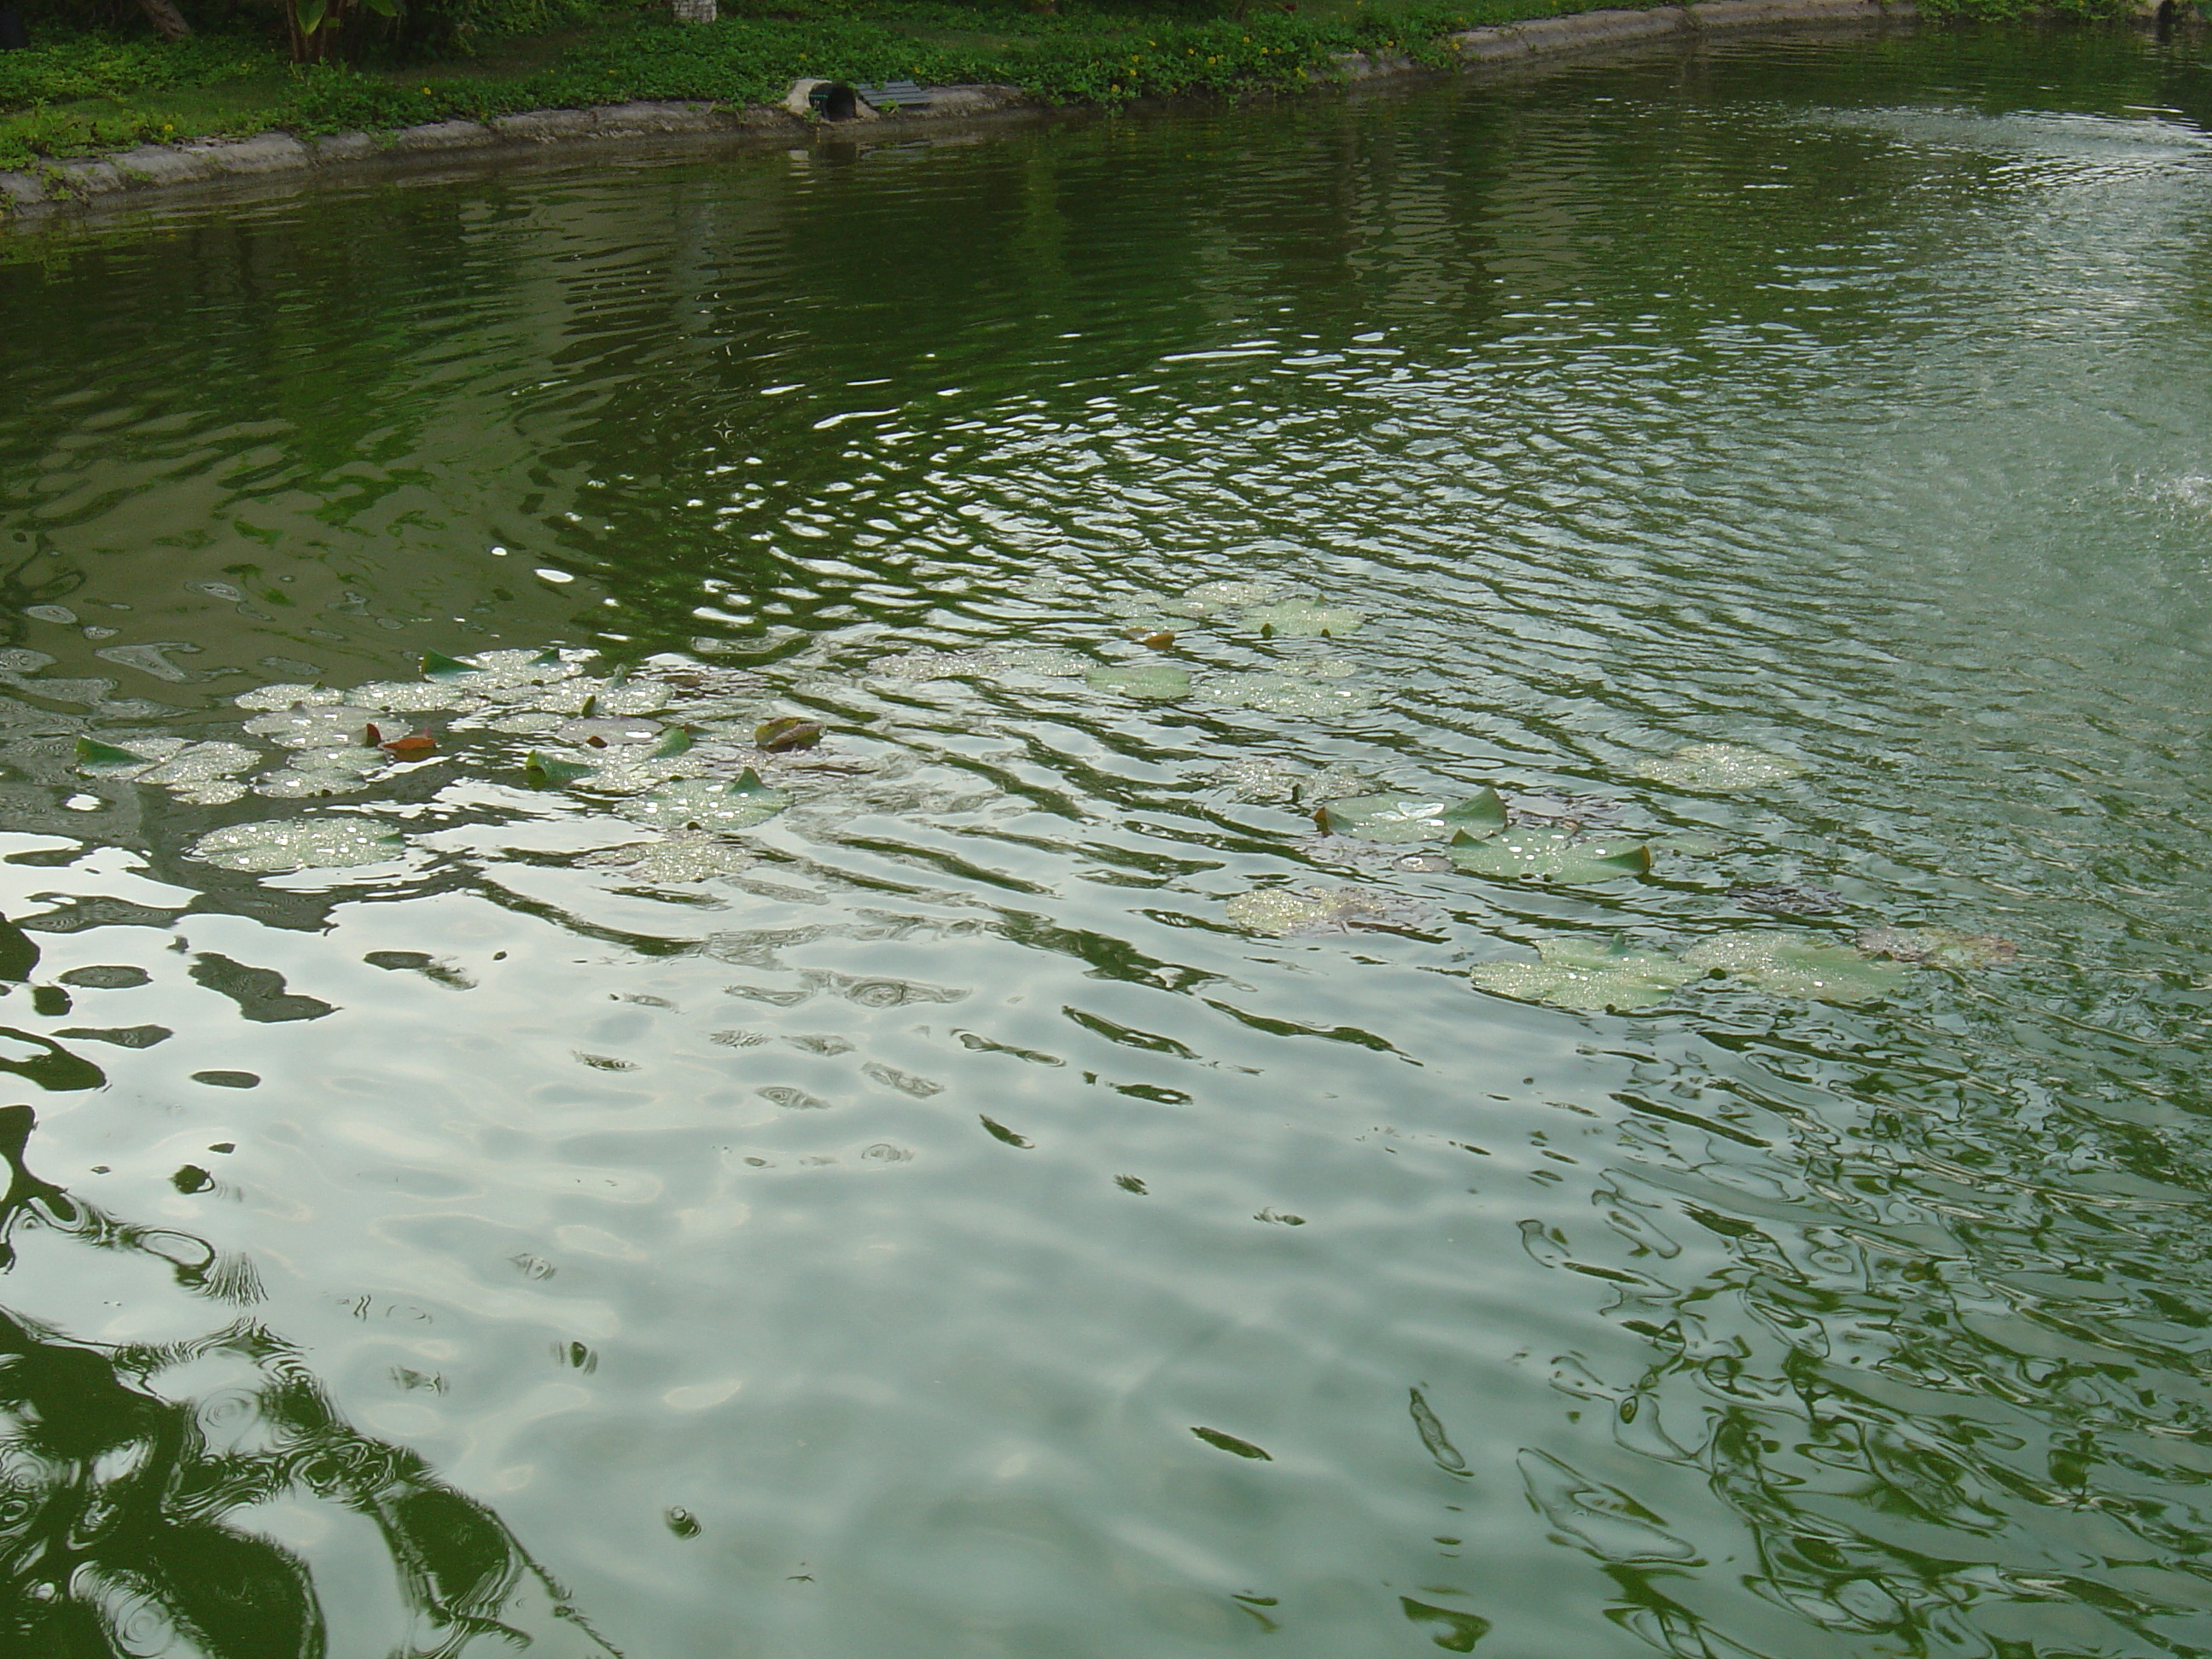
(971, 1195)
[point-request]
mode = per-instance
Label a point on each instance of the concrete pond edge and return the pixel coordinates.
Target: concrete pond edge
(65, 184)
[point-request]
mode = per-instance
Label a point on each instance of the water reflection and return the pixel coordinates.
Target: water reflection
(940, 1220)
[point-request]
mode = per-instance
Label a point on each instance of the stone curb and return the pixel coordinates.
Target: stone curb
(60, 184)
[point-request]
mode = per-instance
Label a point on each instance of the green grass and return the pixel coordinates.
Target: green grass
(87, 93)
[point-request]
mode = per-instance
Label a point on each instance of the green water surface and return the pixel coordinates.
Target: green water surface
(956, 1227)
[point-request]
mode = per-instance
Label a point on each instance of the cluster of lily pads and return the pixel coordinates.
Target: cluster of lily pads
(1315, 686)
(676, 747)
(1547, 840)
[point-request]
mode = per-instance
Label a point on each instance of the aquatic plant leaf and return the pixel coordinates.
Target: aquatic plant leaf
(787, 734)
(1154, 638)
(1940, 947)
(1275, 693)
(1303, 619)
(92, 754)
(1230, 1443)
(1000, 1132)
(1722, 766)
(276, 846)
(1549, 855)
(1574, 975)
(675, 741)
(416, 745)
(708, 803)
(437, 665)
(1797, 965)
(542, 769)
(1396, 820)
(1148, 681)
(1290, 911)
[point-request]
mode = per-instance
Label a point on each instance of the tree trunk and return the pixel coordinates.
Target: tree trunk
(694, 11)
(168, 22)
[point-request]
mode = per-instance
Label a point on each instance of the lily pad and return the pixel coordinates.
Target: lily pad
(1148, 681)
(544, 769)
(1722, 766)
(1303, 619)
(1288, 911)
(1573, 974)
(1797, 965)
(682, 856)
(280, 845)
(609, 731)
(1549, 856)
(787, 734)
(708, 804)
(675, 741)
(438, 666)
(1287, 694)
(1940, 947)
(1396, 820)
(93, 755)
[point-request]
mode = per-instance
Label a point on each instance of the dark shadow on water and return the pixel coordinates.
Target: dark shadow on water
(125, 1515)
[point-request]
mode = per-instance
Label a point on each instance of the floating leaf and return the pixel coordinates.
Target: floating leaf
(1303, 619)
(1288, 911)
(416, 745)
(1788, 898)
(1576, 975)
(681, 856)
(1150, 682)
(278, 845)
(1230, 1443)
(1722, 766)
(1796, 965)
(440, 666)
(708, 803)
(1274, 692)
(1396, 820)
(674, 741)
(94, 755)
(544, 769)
(787, 734)
(1000, 1132)
(1549, 855)
(1939, 947)
(1155, 639)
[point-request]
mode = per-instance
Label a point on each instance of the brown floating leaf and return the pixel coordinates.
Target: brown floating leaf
(1159, 639)
(417, 742)
(787, 734)
(371, 737)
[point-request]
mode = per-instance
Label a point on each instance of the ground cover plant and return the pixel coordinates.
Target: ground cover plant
(94, 81)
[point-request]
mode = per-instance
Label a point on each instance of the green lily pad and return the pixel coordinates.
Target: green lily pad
(1940, 947)
(673, 741)
(787, 734)
(708, 803)
(543, 770)
(93, 755)
(278, 845)
(1797, 965)
(1303, 619)
(1148, 681)
(1287, 694)
(1722, 766)
(1576, 975)
(1288, 911)
(437, 665)
(1396, 820)
(1549, 855)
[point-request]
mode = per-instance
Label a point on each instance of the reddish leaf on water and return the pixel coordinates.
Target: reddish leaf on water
(1159, 639)
(371, 737)
(417, 742)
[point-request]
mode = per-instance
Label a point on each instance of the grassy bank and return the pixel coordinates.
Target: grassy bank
(75, 94)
